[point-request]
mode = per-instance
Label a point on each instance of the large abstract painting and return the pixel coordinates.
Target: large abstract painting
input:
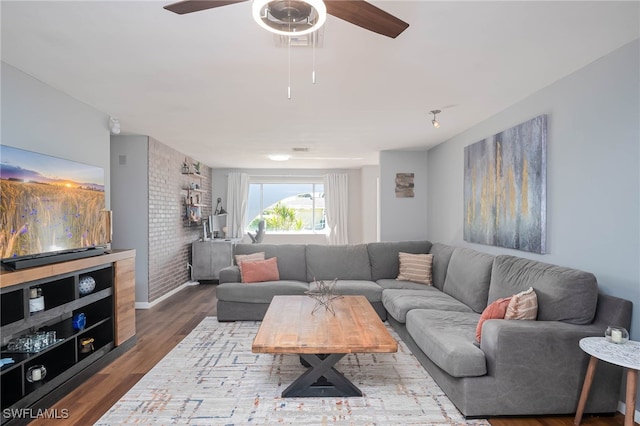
(505, 188)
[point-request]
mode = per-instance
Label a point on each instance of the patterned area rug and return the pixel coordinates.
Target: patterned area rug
(212, 378)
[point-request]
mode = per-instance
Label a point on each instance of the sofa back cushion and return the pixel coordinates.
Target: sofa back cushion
(441, 256)
(468, 277)
(563, 294)
(292, 264)
(384, 256)
(347, 262)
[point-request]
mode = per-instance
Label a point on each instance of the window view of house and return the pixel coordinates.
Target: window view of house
(286, 207)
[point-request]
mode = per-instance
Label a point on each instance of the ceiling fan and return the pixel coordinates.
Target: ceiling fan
(289, 17)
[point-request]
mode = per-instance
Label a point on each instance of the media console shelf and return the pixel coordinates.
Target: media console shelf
(39, 376)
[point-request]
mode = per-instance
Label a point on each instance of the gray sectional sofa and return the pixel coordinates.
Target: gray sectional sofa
(518, 368)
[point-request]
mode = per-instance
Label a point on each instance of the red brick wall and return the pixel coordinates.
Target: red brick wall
(170, 237)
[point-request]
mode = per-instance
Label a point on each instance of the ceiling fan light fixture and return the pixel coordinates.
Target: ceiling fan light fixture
(289, 17)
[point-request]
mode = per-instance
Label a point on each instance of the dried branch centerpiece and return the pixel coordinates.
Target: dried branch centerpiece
(324, 294)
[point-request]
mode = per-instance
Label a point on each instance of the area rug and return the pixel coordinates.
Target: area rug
(212, 378)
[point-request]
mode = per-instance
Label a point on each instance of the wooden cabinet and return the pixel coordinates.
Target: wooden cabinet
(209, 257)
(124, 300)
(46, 366)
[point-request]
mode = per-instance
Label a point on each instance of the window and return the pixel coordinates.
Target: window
(287, 207)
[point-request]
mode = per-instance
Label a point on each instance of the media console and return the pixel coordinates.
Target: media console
(39, 377)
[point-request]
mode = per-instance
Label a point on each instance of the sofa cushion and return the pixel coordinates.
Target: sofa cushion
(441, 257)
(368, 289)
(255, 271)
(447, 338)
(400, 284)
(292, 263)
(383, 256)
(399, 302)
(230, 274)
(416, 268)
(259, 292)
(563, 294)
(348, 262)
(468, 277)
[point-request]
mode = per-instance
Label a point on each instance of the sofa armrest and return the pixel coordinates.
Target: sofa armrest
(229, 274)
(509, 343)
(613, 310)
(549, 347)
(544, 358)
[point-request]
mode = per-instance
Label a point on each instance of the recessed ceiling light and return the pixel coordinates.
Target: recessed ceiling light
(279, 157)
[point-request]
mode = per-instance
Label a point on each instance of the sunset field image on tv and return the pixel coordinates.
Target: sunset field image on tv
(51, 209)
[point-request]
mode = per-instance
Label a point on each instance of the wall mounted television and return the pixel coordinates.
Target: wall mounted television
(51, 209)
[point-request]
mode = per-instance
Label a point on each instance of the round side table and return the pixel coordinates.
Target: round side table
(625, 355)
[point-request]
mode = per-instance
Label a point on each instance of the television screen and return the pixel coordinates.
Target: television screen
(49, 204)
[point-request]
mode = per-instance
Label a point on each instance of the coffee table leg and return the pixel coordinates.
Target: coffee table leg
(309, 385)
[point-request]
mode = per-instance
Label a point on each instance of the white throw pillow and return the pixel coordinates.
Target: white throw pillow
(247, 258)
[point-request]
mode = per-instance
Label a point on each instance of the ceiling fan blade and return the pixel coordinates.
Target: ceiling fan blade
(367, 16)
(188, 6)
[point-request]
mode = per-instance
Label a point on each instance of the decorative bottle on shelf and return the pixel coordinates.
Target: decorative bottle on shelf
(36, 300)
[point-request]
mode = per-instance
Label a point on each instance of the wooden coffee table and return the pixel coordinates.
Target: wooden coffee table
(321, 340)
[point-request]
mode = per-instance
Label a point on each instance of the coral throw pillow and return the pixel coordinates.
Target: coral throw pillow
(415, 267)
(247, 257)
(495, 310)
(255, 271)
(523, 306)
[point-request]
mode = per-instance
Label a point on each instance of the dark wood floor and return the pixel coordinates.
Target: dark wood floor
(159, 329)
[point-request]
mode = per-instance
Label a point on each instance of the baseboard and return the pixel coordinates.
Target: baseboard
(622, 407)
(149, 305)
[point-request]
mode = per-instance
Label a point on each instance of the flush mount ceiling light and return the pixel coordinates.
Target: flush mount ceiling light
(435, 122)
(279, 157)
(289, 17)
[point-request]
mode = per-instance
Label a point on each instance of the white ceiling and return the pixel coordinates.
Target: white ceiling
(213, 85)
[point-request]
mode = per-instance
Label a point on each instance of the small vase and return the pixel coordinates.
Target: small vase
(616, 334)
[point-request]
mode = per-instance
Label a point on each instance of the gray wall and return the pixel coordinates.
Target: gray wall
(593, 191)
(130, 204)
(403, 218)
(593, 174)
(36, 117)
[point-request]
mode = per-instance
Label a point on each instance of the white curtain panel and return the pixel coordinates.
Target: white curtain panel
(237, 195)
(336, 198)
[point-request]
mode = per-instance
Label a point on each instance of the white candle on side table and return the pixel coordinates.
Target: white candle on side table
(616, 336)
